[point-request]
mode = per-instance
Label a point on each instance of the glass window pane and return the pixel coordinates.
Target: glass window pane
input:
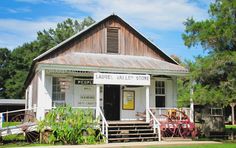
(160, 101)
(160, 87)
(57, 94)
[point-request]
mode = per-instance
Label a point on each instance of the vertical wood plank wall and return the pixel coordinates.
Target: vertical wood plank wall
(95, 42)
(34, 83)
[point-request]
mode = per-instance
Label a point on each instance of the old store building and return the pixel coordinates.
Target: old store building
(110, 67)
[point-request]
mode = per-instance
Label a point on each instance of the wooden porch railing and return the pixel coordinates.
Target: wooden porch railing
(8, 113)
(156, 124)
(164, 111)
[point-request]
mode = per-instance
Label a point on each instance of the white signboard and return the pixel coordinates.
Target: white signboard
(84, 93)
(121, 79)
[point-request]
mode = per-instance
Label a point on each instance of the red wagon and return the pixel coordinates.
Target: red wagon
(177, 124)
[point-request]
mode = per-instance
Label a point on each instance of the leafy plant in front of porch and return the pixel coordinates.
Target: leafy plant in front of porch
(70, 126)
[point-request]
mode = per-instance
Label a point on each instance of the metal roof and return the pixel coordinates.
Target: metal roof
(12, 101)
(79, 34)
(114, 61)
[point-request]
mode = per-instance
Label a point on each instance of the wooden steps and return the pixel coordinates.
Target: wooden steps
(134, 130)
(130, 131)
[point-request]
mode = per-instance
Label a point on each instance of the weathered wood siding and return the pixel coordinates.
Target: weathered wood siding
(34, 84)
(95, 42)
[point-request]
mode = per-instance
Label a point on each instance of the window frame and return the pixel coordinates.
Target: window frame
(160, 94)
(216, 111)
(55, 101)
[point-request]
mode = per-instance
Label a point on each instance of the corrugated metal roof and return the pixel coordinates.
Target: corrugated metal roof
(114, 61)
(12, 101)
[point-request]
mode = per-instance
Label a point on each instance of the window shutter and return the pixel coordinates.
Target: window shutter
(112, 40)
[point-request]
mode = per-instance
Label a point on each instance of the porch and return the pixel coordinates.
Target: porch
(118, 91)
(121, 100)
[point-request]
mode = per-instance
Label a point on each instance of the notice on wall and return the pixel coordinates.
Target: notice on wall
(87, 96)
(128, 100)
(84, 94)
(121, 79)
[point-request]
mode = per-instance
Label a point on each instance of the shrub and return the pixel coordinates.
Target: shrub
(71, 126)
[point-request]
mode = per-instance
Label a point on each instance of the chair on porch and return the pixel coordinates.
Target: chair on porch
(142, 115)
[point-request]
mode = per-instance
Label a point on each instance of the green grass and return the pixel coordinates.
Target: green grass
(5, 124)
(223, 145)
(23, 145)
(13, 137)
(230, 128)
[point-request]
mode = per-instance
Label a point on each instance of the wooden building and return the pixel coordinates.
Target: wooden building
(110, 67)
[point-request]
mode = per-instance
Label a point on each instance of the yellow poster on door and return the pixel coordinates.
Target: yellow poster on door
(128, 100)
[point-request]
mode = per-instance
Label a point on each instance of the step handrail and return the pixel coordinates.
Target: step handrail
(13, 111)
(104, 124)
(156, 124)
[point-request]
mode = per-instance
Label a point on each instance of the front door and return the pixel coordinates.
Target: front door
(112, 102)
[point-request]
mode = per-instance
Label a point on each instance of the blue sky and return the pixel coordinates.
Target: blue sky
(159, 20)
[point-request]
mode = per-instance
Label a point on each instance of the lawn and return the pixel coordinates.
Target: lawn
(230, 128)
(5, 124)
(23, 145)
(223, 145)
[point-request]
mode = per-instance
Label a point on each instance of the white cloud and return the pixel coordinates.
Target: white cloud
(14, 32)
(153, 14)
(18, 10)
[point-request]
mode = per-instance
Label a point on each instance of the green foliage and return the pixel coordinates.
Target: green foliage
(4, 69)
(5, 124)
(49, 38)
(214, 74)
(183, 92)
(14, 137)
(15, 65)
(71, 126)
(230, 128)
(218, 33)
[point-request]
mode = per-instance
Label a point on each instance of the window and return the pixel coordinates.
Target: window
(160, 93)
(216, 112)
(112, 40)
(58, 95)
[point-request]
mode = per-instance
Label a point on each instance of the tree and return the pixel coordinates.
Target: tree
(49, 38)
(218, 33)
(4, 71)
(215, 73)
(18, 67)
(15, 65)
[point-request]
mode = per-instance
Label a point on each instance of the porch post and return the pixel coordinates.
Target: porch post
(191, 105)
(40, 99)
(97, 100)
(232, 110)
(147, 104)
(1, 119)
(26, 98)
(30, 97)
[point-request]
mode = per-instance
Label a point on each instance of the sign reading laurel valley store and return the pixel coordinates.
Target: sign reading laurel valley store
(121, 79)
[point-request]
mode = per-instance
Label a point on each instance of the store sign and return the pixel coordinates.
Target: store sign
(84, 82)
(121, 79)
(86, 96)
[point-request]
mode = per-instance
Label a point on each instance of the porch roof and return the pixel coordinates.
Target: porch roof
(117, 62)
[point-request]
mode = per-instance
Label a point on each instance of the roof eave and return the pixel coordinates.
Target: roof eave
(112, 69)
